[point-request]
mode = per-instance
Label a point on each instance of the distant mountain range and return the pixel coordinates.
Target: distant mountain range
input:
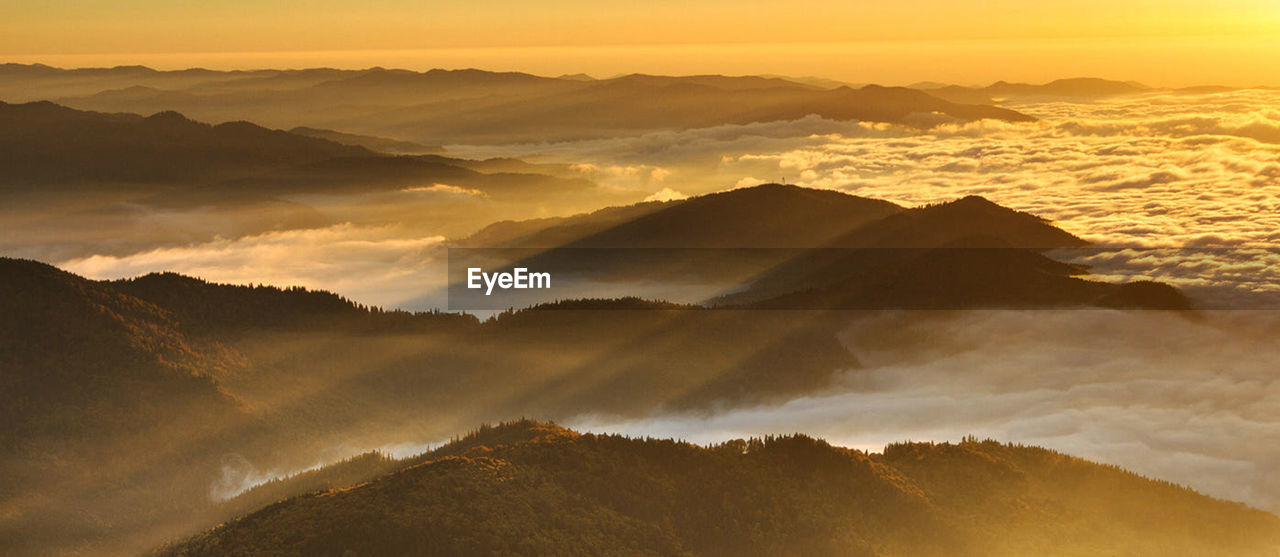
(1081, 88)
(45, 146)
(46, 143)
(472, 106)
(537, 489)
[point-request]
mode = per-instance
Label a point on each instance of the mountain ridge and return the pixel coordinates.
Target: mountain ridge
(470, 106)
(45, 146)
(762, 496)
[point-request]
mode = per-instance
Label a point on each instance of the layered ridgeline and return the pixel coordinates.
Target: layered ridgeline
(133, 408)
(48, 146)
(474, 106)
(135, 183)
(1083, 88)
(528, 488)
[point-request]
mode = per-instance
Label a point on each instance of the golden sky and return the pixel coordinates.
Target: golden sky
(1165, 42)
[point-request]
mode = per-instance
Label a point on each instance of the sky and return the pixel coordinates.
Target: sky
(1165, 42)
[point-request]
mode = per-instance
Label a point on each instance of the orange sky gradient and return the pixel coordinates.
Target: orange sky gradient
(1163, 43)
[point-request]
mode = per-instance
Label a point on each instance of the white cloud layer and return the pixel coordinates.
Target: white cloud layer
(1194, 401)
(385, 266)
(1147, 171)
(1157, 170)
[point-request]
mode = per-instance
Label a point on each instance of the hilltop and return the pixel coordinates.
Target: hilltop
(534, 488)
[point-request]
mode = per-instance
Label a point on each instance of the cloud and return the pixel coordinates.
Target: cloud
(691, 158)
(380, 265)
(666, 194)
(1152, 171)
(1195, 402)
(1147, 171)
(1213, 277)
(446, 189)
(622, 176)
(1156, 170)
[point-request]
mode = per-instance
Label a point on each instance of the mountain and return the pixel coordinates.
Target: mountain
(45, 143)
(133, 407)
(972, 219)
(46, 147)
(61, 336)
(551, 232)
(205, 308)
(26, 83)
(959, 93)
(440, 107)
(379, 144)
(776, 215)
(1072, 88)
(962, 254)
(534, 488)
(789, 247)
(632, 105)
(93, 380)
(765, 216)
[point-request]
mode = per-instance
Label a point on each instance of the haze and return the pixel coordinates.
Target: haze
(1051, 223)
(1170, 43)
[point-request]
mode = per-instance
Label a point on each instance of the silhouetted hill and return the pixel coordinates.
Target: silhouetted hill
(44, 146)
(93, 379)
(49, 144)
(69, 343)
(558, 231)
(210, 308)
(766, 216)
(973, 220)
(530, 488)
(774, 215)
(958, 93)
(962, 254)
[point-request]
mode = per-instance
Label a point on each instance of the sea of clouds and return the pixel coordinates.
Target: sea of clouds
(1193, 400)
(1151, 171)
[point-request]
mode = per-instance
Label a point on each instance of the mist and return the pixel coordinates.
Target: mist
(1191, 400)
